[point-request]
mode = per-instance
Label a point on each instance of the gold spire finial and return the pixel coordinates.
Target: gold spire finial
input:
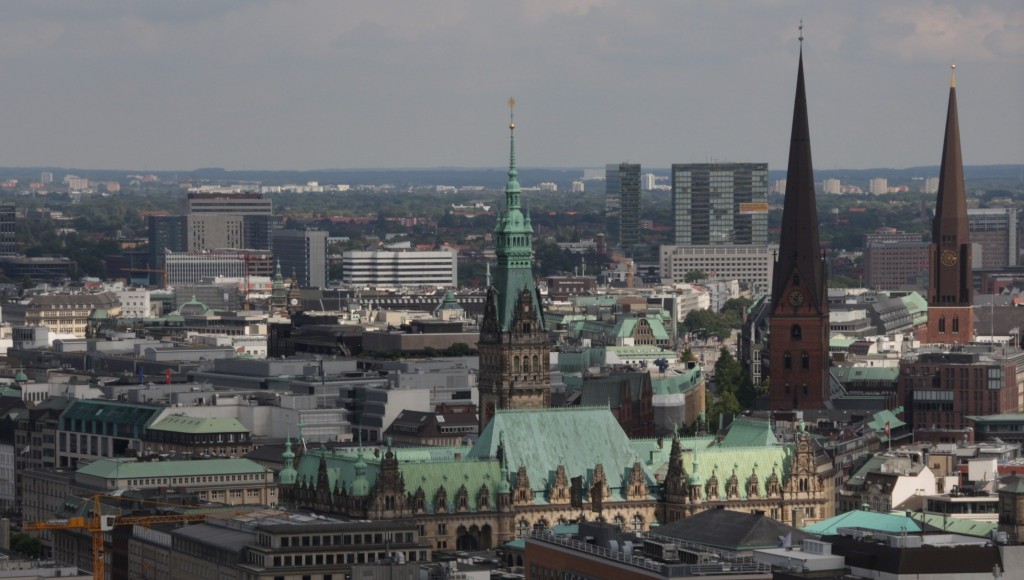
(511, 112)
(952, 76)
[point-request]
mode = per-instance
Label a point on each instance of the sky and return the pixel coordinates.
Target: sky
(321, 84)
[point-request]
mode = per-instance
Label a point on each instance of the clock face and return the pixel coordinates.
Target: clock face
(796, 298)
(949, 258)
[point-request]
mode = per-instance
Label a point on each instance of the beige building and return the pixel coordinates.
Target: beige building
(70, 314)
(226, 481)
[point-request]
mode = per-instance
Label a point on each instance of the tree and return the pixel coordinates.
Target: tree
(26, 545)
(728, 372)
(694, 276)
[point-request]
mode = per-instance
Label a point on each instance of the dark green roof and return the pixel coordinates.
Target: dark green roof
(747, 432)
(115, 412)
(542, 439)
(876, 521)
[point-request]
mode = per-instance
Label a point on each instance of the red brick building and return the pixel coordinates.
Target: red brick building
(939, 389)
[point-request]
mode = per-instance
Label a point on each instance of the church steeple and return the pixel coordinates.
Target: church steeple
(799, 245)
(951, 284)
(798, 325)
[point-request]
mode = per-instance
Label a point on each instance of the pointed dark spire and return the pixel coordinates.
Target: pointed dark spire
(951, 201)
(799, 245)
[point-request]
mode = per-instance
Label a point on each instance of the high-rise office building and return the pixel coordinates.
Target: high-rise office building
(951, 284)
(166, 233)
(995, 229)
(8, 244)
(622, 203)
(302, 255)
(228, 220)
(409, 268)
(720, 203)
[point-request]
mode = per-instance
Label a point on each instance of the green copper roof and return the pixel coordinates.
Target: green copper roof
(876, 521)
(746, 432)
(674, 384)
(428, 474)
(578, 438)
(879, 419)
(198, 425)
(626, 326)
(975, 528)
(130, 469)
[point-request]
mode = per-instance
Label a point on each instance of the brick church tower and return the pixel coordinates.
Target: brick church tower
(514, 346)
(798, 323)
(951, 281)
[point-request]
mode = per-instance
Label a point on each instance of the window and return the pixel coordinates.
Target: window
(956, 324)
(795, 332)
(787, 361)
(805, 361)
(942, 324)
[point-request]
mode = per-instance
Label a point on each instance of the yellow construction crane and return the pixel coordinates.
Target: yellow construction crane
(98, 524)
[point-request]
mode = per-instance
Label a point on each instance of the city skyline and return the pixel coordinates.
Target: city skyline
(315, 85)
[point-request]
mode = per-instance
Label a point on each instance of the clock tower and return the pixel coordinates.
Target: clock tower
(798, 323)
(950, 281)
(514, 346)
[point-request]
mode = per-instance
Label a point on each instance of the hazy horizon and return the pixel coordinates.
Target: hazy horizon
(317, 85)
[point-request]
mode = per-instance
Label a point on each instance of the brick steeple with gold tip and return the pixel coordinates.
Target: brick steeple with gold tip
(950, 287)
(799, 329)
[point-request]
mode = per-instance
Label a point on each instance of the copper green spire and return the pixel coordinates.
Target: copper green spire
(512, 188)
(513, 272)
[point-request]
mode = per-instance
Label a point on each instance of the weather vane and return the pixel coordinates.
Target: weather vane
(511, 112)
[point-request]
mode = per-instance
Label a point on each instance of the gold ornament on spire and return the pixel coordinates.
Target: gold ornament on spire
(952, 76)
(511, 112)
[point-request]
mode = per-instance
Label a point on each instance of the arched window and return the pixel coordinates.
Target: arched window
(515, 364)
(787, 361)
(956, 324)
(536, 364)
(942, 324)
(795, 332)
(796, 278)
(805, 361)
(638, 523)
(526, 364)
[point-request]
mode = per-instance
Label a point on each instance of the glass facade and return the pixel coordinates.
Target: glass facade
(715, 204)
(622, 203)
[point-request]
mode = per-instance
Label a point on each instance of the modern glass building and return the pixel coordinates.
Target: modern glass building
(622, 203)
(716, 204)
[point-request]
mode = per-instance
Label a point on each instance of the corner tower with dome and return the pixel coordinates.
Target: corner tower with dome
(514, 346)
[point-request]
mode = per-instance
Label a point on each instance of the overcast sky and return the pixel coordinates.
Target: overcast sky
(310, 84)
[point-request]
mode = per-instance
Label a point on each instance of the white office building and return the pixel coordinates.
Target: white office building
(409, 268)
(751, 265)
(192, 267)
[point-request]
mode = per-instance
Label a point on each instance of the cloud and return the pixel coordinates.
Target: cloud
(321, 83)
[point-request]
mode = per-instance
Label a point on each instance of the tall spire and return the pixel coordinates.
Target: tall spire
(799, 245)
(512, 189)
(951, 201)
